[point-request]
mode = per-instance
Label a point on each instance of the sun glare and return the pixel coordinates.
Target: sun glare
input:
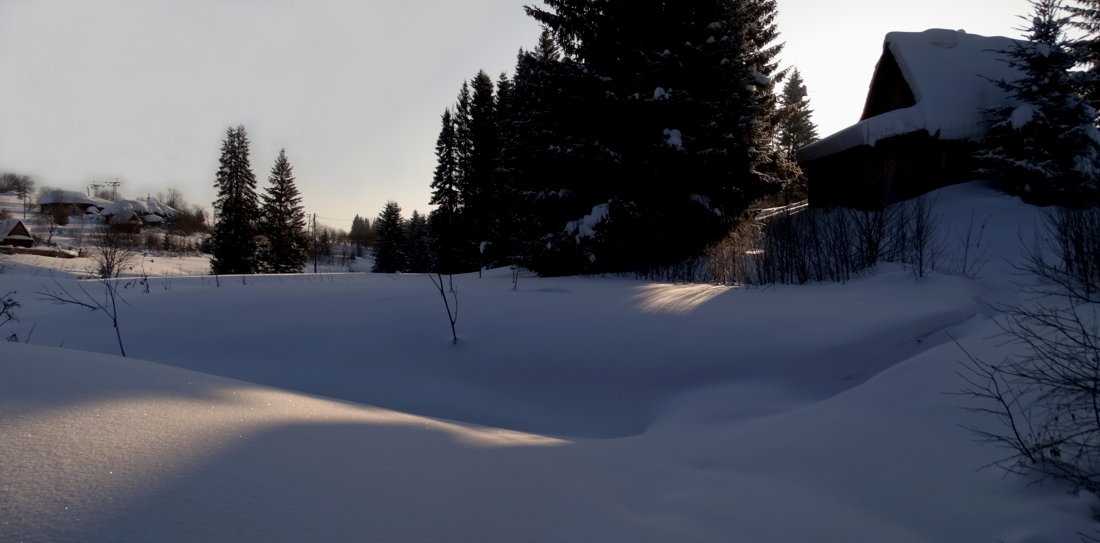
(676, 299)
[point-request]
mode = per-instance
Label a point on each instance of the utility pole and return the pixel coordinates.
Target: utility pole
(315, 252)
(114, 187)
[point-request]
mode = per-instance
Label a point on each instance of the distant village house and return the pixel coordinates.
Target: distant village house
(14, 233)
(70, 202)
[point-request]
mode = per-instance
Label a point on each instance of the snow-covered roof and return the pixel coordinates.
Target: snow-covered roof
(158, 208)
(139, 208)
(70, 197)
(951, 74)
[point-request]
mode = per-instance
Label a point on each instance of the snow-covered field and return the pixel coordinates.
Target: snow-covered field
(335, 408)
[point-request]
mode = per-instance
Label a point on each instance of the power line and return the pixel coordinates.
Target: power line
(332, 219)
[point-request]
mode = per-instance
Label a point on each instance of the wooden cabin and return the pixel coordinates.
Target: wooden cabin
(69, 202)
(14, 233)
(924, 116)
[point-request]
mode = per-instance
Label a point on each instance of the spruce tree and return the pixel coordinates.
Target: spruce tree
(478, 187)
(390, 244)
(359, 233)
(448, 232)
(233, 239)
(681, 117)
(1045, 149)
(418, 250)
(283, 221)
(444, 182)
(1086, 18)
(796, 129)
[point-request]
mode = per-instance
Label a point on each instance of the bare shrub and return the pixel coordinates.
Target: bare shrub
(1069, 259)
(972, 252)
(1046, 396)
(54, 218)
(114, 249)
(8, 304)
(924, 247)
(451, 305)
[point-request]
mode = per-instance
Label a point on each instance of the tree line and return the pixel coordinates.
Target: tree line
(634, 135)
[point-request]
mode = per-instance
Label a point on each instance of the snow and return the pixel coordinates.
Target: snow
(129, 208)
(951, 74)
(585, 227)
(674, 139)
(66, 197)
(334, 408)
(1022, 115)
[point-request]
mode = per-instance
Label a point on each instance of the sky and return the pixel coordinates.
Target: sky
(142, 91)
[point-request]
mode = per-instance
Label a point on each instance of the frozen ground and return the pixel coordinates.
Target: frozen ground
(573, 409)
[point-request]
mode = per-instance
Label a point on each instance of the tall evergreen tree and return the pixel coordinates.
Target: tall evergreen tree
(233, 239)
(479, 190)
(683, 118)
(463, 136)
(360, 233)
(390, 244)
(1086, 18)
(448, 231)
(283, 221)
(796, 128)
(445, 180)
(1046, 148)
(418, 244)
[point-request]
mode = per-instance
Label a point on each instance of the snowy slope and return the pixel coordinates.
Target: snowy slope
(573, 409)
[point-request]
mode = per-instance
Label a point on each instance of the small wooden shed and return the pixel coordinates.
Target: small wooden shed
(924, 116)
(14, 233)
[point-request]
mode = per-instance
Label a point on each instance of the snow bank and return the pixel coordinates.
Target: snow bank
(572, 409)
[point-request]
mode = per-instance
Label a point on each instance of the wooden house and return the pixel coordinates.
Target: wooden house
(69, 202)
(924, 116)
(15, 233)
(132, 215)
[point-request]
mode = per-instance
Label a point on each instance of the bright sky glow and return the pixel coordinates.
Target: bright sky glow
(143, 90)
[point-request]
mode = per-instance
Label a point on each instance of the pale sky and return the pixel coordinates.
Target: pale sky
(143, 90)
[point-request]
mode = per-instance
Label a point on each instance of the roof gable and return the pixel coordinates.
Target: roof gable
(950, 75)
(13, 227)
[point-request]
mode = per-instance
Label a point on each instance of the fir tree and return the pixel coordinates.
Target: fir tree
(418, 250)
(1046, 148)
(233, 239)
(390, 244)
(283, 221)
(448, 230)
(360, 233)
(463, 137)
(479, 188)
(681, 117)
(796, 129)
(444, 182)
(1086, 18)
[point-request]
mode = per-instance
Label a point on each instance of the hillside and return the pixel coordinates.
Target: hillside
(334, 407)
